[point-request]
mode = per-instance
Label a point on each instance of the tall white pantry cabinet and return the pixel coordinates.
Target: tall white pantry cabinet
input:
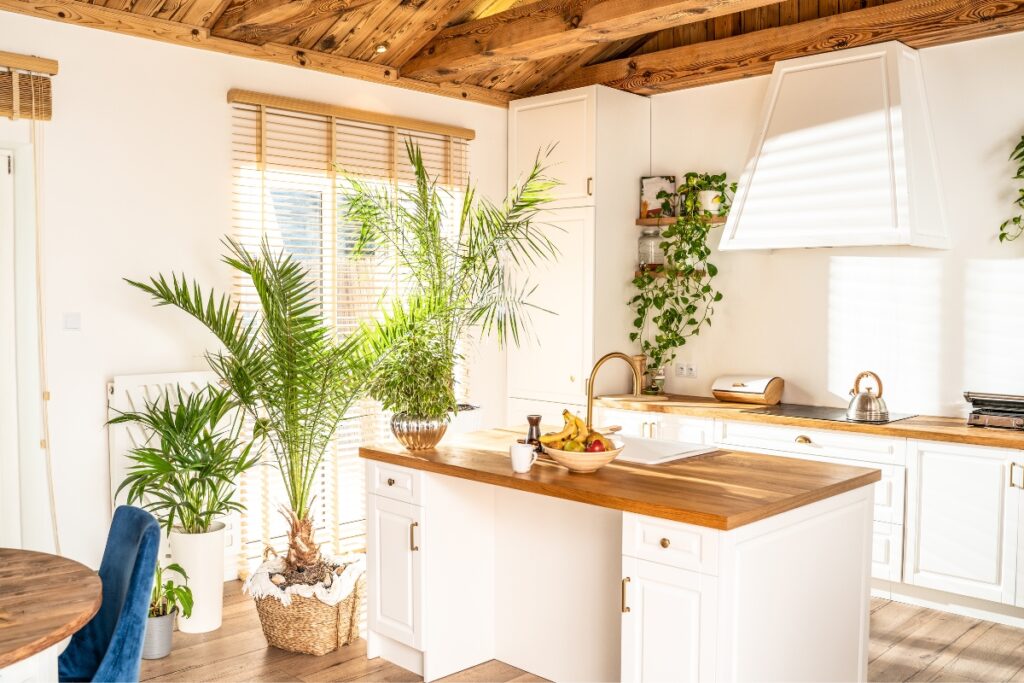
(598, 146)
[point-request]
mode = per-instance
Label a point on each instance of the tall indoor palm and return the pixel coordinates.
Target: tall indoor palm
(461, 273)
(285, 367)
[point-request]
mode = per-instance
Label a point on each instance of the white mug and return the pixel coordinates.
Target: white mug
(523, 456)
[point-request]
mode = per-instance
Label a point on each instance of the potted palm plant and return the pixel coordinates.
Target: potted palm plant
(294, 380)
(169, 600)
(185, 474)
(459, 279)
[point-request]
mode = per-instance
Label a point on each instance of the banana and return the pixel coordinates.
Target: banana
(581, 427)
(567, 434)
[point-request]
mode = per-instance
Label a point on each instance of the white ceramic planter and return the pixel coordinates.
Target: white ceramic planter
(709, 200)
(202, 557)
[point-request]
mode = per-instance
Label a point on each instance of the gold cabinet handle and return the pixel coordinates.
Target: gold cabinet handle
(391, 482)
(590, 186)
(803, 439)
(665, 543)
(1012, 485)
(625, 607)
(412, 537)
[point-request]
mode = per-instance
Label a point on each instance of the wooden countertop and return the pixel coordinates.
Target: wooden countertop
(43, 600)
(720, 490)
(924, 427)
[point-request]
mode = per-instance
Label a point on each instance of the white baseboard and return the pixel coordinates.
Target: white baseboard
(948, 602)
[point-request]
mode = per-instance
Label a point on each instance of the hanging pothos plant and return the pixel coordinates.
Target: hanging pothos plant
(1012, 228)
(675, 301)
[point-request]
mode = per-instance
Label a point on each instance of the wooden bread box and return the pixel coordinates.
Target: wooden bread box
(748, 389)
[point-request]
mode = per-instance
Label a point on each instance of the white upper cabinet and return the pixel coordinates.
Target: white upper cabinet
(844, 156)
(600, 139)
(565, 123)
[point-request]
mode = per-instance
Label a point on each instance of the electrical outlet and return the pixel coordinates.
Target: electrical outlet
(690, 371)
(73, 322)
(680, 369)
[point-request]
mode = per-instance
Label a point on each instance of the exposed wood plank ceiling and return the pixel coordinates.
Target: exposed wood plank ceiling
(492, 51)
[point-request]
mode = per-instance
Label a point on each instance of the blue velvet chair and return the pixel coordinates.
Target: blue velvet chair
(109, 648)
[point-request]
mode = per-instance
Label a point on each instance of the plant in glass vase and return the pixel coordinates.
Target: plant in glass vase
(457, 279)
(676, 301)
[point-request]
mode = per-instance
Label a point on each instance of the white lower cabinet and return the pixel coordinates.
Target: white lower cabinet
(962, 520)
(650, 425)
(668, 623)
(396, 604)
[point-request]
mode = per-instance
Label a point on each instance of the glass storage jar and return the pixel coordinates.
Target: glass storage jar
(649, 252)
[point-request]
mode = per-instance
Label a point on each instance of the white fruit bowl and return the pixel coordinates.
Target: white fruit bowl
(583, 463)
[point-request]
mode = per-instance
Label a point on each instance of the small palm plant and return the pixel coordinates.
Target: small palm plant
(459, 279)
(186, 471)
(287, 370)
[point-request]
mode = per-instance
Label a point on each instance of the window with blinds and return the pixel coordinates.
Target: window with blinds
(289, 163)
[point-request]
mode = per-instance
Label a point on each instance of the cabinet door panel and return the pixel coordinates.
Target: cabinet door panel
(551, 364)
(961, 520)
(395, 570)
(565, 124)
(668, 632)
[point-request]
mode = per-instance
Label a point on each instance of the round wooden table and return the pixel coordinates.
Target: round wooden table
(43, 600)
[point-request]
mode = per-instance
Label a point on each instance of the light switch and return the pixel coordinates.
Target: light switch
(73, 321)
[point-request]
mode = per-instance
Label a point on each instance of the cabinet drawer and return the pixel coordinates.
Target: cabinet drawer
(396, 483)
(887, 551)
(802, 441)
(670, 543)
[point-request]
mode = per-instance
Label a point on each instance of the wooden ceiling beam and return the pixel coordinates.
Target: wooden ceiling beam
(917, 23)
(126, 23)
(555, 27)
(266, 21)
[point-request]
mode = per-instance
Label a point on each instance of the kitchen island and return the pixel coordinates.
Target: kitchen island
(724, 566)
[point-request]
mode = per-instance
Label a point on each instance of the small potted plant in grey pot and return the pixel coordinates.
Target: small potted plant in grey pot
(169, 599)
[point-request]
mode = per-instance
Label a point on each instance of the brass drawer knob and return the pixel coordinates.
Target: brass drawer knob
(391, 482)
(665, 543)
(803, 439)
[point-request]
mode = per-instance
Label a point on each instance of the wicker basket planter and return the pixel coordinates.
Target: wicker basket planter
(312, 620)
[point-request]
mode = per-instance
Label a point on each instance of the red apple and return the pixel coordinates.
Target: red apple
(595, 446)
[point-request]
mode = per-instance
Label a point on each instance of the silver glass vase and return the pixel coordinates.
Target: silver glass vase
(418, 434)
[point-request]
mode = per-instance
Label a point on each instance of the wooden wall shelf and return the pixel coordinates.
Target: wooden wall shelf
(668, 220)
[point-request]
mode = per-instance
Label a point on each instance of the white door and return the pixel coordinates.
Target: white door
(395, 570)
(565, 123)
(961, 520)
(10, 494)
(668, 623)
(552, 362)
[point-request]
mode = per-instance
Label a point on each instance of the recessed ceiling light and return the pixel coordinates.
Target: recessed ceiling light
(381, 48)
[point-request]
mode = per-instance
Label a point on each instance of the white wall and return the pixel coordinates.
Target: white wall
(931, 323)
(137, 180)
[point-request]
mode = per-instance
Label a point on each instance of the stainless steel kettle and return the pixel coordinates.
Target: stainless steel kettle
(866, 406)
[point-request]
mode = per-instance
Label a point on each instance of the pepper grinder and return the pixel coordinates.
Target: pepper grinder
(533, 433)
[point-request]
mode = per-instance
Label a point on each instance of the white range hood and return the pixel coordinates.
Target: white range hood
(844, 156)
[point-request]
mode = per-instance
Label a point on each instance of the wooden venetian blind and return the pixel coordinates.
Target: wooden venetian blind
(289, 158)
(25, 90)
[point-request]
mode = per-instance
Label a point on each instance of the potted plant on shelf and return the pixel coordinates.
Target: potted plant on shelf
(707, 192)
(294, 380)
(169, 600)
(1013, 227)
(676, 301)
(458, 280)
(185, 474)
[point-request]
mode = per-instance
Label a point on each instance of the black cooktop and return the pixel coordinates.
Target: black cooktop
(817, 413)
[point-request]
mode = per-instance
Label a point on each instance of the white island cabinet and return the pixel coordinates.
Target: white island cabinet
(561, 575)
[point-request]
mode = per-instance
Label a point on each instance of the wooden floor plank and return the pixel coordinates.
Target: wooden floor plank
(908, 643)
